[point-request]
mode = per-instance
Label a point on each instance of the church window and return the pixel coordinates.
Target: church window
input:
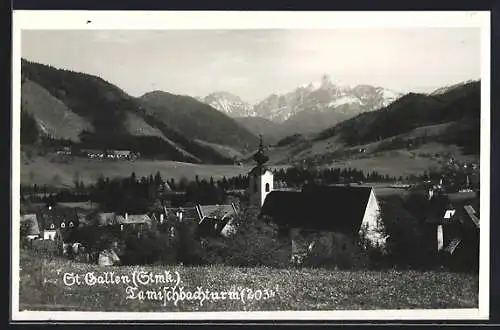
(267, 187)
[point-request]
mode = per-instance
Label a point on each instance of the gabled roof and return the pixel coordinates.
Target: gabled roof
(332, 208)
(216, 211)
(32, 222)
(462, 216)
(56, 216)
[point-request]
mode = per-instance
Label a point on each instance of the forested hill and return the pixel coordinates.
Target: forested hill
(460, 107)
(197, 120)
(86, 110)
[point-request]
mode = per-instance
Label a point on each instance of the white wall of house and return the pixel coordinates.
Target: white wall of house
(372, 228)
(229, 229)
(49, 234)
(259, 187)
(440, 240)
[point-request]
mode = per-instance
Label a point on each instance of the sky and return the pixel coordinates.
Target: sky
(255, 63)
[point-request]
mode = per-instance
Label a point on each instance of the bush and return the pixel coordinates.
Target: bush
(190, 251)
(148, 247)
(255, 243)
(334, 250)
(408, 244)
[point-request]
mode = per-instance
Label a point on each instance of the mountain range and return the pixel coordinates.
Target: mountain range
(93, 113)
(307, 109)
(445, 119)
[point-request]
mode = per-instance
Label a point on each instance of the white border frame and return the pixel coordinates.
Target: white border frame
(157, 20)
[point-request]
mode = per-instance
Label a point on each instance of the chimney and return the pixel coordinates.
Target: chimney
(161, 218)
(430, 193)
(126, 216)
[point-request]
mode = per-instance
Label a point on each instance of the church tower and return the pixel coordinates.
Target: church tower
(260, 178)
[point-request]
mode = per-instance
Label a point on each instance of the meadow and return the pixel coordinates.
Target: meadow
(42, 171)
(42, 287)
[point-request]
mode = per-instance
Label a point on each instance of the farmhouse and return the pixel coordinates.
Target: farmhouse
(334, 216)
(56, 219)
(134, 221)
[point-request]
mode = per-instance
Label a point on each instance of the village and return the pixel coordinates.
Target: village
(316, 224)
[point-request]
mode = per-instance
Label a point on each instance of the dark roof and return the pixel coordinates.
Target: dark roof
(463, 216)
(56, 216)
(332, 208)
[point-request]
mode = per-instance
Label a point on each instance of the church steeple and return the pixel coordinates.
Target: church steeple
(260, 156)
(260, 178)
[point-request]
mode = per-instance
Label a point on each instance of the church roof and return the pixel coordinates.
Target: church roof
(258, 170)
(331, 208)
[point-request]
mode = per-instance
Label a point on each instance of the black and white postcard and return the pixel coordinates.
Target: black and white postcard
(250, 165)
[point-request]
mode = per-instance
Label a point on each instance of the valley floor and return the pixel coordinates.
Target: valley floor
(43, 171)
(42, 287)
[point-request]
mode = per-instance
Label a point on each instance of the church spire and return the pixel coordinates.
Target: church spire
(260, 157)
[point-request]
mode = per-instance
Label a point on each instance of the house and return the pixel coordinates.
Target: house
(457, 235)
(182, 213)
(335, 216)
(32, 229)
(52, 220)
(134, 221)
(216, 219)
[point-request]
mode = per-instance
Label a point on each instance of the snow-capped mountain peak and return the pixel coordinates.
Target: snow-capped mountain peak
(324, 95)
(230, 104)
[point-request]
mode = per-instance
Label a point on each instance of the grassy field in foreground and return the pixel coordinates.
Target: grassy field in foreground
(42, 288)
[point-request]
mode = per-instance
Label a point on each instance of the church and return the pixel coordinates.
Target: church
(333, 217)
(261, 179)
